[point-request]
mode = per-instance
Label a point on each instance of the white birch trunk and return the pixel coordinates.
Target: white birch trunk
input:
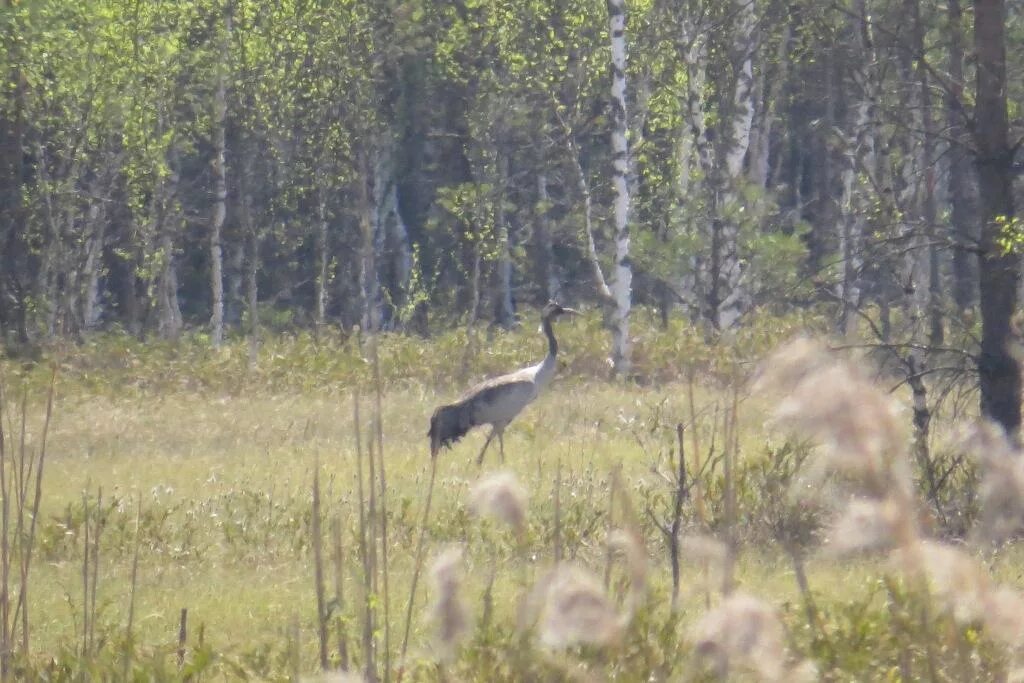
(167, 221)
(622, 274)
(694, 36)
(372, 245)
(220, 191)
(93, 267)
(732, 298)
(858, 155)
(760, 142)
(170, 321)
(367, 264)
(396, 234)
(384, 211)
(694, 147)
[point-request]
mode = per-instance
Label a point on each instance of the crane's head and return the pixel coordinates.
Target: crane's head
(554, 309)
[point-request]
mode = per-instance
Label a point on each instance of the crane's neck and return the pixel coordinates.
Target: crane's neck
(546, 369)
(550, 334)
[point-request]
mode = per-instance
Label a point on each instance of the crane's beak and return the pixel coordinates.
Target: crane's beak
(570, 311)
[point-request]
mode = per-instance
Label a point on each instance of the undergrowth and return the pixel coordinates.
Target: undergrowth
(803, 554)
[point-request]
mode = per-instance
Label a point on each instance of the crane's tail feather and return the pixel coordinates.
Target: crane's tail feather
(448, 424)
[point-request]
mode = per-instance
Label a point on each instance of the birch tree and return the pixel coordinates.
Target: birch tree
(728, 294)
(220, 187)
(622, 272)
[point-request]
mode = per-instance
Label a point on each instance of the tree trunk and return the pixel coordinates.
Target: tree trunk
(323, 260)
(369, 281)
(252, 259)
(694, 146)
(169, 323)
(622, 274)
(859, 154)
(14, 250)
(729, 296)
(999, 269)
(926, 181)
(504, 313)
(545, 260)
(93, 267)
(761, 134)
(399, 246)
(220, 190)
(166, 219)
(962, 190)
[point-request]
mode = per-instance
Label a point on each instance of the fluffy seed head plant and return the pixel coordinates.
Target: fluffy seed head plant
(336, 677)
(1001, 492)
(574, 610)
(629, 545)
(448, 612)
(831, 401)
(958, 582)
(963, 588)
(744, 632)
(709, 551)
(867, 525)
(1004, 617)
(500, 496)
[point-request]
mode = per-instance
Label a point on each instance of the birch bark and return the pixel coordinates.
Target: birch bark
(732, 298)
(220, 189)
(323, 259)
(622, 273)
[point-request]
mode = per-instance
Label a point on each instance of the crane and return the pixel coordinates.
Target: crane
(498, 400)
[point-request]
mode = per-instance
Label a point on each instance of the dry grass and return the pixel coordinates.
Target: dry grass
(197, 457)
(225, 525)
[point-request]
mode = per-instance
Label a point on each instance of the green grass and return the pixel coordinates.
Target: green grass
(222, 455)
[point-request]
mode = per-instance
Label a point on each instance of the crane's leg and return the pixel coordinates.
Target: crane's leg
(480, 458)
(501, 445)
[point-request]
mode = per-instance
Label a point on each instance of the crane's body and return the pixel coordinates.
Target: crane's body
(498, 400)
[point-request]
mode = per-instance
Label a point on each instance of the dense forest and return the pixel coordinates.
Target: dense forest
(222, 165)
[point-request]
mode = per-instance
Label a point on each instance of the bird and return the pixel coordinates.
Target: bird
(498, 400)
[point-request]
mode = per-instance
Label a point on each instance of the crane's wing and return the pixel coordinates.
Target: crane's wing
(495, 401)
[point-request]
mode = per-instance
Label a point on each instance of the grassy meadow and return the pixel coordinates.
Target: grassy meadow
(178, 477)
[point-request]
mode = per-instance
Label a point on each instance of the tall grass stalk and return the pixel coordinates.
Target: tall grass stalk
(609, 527)
(558, 511)
(5, 547)
(21, 480)
(417, 568)
(677, 516)
(182, 636)
(318, 568)
(339, 591)
(698, 492)
(97, 532)
(731, 447)
(378, 420)
(85, 577)
(365, 541)
(132, 588)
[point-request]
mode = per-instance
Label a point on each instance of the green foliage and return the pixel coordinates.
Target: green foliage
(1011, 234)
